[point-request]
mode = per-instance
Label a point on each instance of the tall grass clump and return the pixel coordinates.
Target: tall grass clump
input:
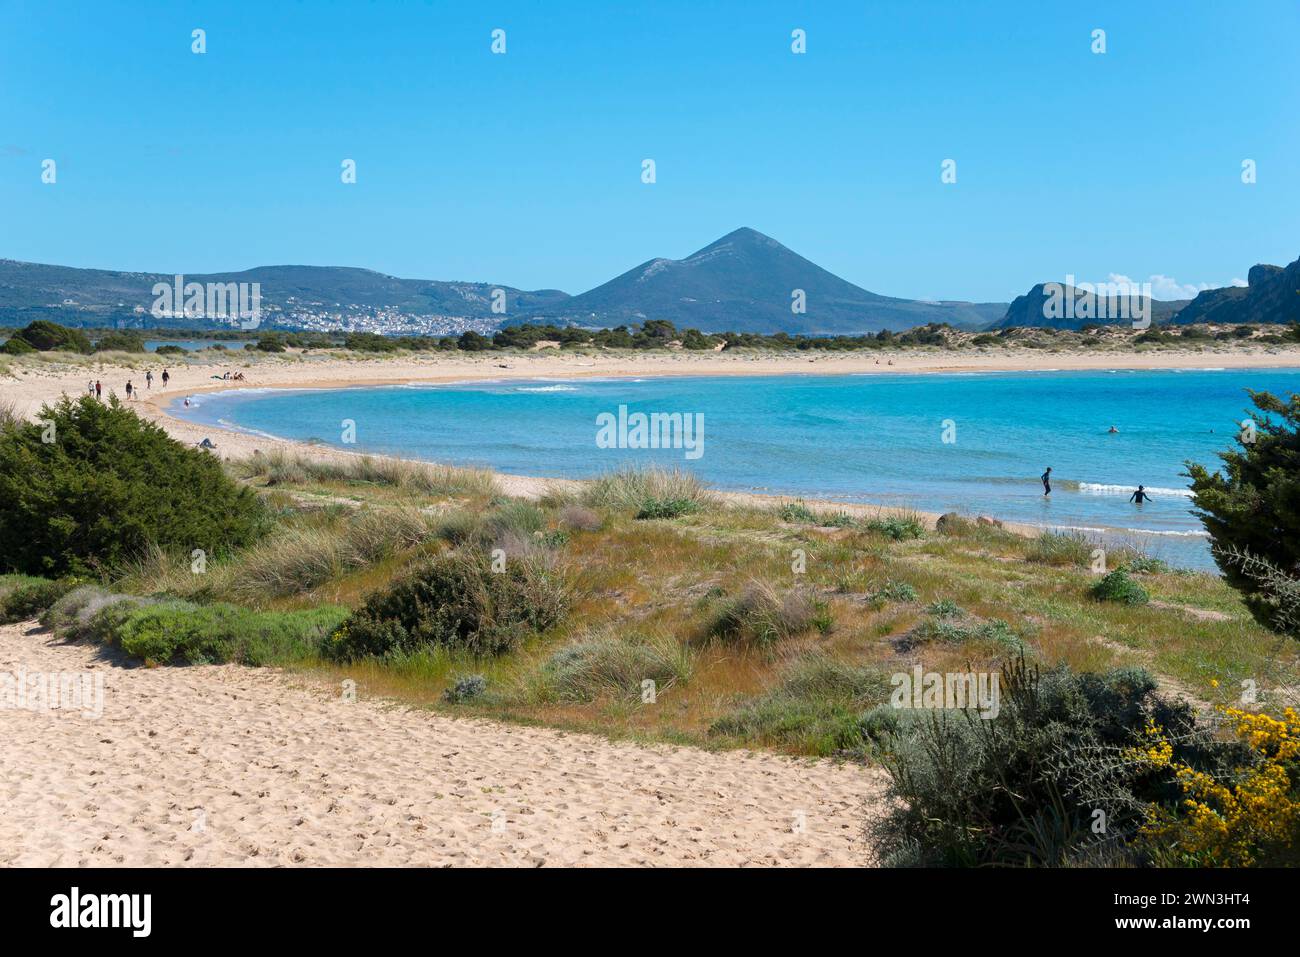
(1061, 548)
(898, 527)
(763, 616)
(279, 467)
(608, 665)
(816, 708)
(649, 493)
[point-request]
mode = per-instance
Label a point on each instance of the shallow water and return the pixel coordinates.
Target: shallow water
(869, 438)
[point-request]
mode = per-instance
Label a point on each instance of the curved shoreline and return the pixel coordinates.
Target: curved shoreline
(275, 373)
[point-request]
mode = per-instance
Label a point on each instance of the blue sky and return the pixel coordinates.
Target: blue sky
(524, 169)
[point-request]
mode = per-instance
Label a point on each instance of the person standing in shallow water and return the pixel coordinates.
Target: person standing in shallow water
(1140, 495)
(1047, 481)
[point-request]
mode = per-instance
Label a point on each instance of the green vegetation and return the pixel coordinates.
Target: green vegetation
(120, 341)
(91, 485)
(457, 602)
(1118, 586)
(1027, 788)
(45, 336)
(1253, 511)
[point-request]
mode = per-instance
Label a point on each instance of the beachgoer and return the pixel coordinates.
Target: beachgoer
(90, 387)
(148, 378)
(128, 388)
(1047, 481)
(187, 402)
(99, 389)
(166, 377)
(1140, 495)
(1113, 430)
(206, 444)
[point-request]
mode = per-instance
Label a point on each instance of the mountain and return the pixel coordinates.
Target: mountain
(1272, 294)
(1047, 310)
(100, 297)
(744, 282)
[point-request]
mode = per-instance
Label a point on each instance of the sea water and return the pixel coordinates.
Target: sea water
(974, 443)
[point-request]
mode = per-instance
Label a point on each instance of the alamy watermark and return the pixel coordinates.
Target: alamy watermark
(231, 302)
(53, 691)
(1117, 299)
(971, 690)
(652, 430)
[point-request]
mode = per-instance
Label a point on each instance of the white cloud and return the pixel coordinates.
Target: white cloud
(1167, 287)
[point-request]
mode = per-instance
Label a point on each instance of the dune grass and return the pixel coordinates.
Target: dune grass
(745, 645)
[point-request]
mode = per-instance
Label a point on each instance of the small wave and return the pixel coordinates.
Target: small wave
(548, 388)
(236, 427)
(1099, 488)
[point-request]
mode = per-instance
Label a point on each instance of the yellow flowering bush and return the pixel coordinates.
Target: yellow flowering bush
(1231, 820)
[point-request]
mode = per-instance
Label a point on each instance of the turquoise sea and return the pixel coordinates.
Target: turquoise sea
(856, 438)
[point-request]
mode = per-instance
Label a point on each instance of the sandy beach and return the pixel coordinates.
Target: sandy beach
(225, 765)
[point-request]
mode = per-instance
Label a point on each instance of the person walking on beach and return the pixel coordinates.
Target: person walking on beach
(128, 388)
(1047, 481)
(99, 389)
(1140, 495)
(90, 387)
(166, 377)
(148, 378)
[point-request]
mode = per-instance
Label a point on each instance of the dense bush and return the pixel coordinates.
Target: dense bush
(17, 347)
(1119, 587)
(458, 602)
(120, 342)
(1023, 788)
(109, 485)
(1253, 511)
(207, 634)
(46, 336)
(23, 597)
(897, 527)
(466, 688)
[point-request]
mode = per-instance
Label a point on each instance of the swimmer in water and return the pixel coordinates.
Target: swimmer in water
(1047, 481)
(1113, 430)
(1140, 495)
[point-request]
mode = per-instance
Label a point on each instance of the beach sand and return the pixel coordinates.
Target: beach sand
(225, 765)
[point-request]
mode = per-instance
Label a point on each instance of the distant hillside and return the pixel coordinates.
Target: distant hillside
(98, 297)
(1272, 295)
(743, 282)
(1032, 309)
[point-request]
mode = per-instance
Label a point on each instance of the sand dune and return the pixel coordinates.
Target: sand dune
(224, 765)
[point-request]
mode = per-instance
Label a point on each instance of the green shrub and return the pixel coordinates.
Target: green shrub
(465, 688)
(894, 591)
(170, 350)
(117, 341)
(457, 602)
(1251, 511)
(46, 336)
(896, 527)
(1119, 587)
(1022, 788)
(205, 634)
(109, 485)
(666, 508)
(23, 597)
(17, 347)
(797, 512)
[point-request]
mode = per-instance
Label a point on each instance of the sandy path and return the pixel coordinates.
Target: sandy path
(282, 774)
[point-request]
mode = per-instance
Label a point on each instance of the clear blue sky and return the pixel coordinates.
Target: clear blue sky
(524, 169)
